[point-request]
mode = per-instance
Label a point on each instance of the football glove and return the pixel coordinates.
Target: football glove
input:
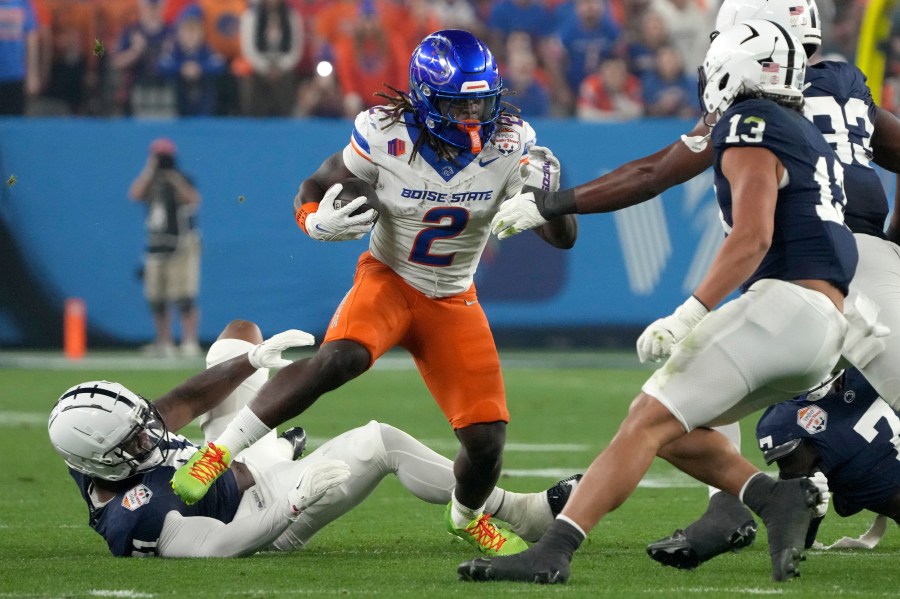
(518, 213)
(541, 169)
(821, 481)
(335, 224)
(315, 482)
(658, 339)
(268, 353)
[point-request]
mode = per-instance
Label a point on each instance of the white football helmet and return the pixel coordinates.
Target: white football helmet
(102, 429)
(754, 58)
(800, 17)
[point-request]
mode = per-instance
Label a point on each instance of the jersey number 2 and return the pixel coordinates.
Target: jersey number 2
(449, 222)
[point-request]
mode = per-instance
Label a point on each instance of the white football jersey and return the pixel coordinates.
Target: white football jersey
(435, 215)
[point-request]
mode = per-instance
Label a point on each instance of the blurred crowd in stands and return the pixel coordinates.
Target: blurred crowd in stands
(594, 59)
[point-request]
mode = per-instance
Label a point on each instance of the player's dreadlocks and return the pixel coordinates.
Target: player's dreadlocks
(399, 103)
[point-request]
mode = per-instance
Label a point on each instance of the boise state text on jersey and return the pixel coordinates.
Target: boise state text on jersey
(436, 213)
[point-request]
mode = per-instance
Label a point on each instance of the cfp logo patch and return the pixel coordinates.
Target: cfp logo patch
(396, 147)
(812, 419)
(135, 498)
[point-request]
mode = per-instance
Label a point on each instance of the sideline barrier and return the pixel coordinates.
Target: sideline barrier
(80, 236)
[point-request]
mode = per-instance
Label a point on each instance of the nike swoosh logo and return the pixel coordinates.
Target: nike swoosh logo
(483, 163)
(468, 303)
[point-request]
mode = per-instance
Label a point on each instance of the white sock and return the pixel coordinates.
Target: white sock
(528, 514)
(244, 430)
(462, 515)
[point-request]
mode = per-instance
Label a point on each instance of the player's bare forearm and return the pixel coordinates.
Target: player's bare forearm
(886, 141)
(561, 232)
(329, 172)
(643, 179)
(203, 391)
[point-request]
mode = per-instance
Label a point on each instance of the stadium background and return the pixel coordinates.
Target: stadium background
(68, 229)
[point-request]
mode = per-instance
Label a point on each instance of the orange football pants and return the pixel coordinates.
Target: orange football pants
(449, 339)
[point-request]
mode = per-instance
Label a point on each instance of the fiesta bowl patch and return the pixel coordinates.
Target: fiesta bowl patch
(507, 141)
(136, 497)
(812, 419)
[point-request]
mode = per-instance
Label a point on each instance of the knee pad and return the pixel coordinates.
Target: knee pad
(158, 307)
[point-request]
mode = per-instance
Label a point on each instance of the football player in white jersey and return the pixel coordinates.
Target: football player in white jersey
(442, 158)
(122, 450)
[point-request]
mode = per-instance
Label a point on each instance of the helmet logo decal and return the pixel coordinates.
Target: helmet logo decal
(437, 69)
(136, 497)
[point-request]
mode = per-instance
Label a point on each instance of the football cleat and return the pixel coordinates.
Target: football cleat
(523, 567)
(197, 475)
(486, 536)
(558, 495)
(296, 436)
(727, 525)
(787, 516)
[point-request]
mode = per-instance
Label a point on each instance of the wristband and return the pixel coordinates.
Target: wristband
(303, 213)
(551, 204)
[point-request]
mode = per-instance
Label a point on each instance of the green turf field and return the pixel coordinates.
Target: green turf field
(393, 545)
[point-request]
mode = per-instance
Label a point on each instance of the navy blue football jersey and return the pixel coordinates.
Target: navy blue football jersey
(131, 521)
(840, 105)
(854, 432)
(810, 240)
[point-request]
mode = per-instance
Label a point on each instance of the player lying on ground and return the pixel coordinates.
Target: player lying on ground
(122, 450)
(842, 429)
(849, 433)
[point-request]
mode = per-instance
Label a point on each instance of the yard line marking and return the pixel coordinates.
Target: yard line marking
(132, 360)
(10, 419)
(106, 593)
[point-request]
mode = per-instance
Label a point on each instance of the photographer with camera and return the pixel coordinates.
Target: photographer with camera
(171, 271)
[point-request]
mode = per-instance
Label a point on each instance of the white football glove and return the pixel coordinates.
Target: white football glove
(315, 482)
(335, 224)
(541, 169)
(268, 353)
(658, 339)
(819, 479)
(518, 213)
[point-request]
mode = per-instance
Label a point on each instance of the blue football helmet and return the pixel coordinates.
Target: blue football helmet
(455, 88)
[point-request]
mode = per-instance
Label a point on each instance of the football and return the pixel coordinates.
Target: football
(352, 188)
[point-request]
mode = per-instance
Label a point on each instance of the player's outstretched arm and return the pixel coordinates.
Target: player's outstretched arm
(209, 388)
(645, 178)
(632, 183)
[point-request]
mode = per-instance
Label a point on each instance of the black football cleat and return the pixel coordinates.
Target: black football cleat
(296, 436)
(727, 525)
(521, 567)
(787, 516)
(558, 495)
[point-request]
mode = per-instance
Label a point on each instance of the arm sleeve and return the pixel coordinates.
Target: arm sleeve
(198, 536)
